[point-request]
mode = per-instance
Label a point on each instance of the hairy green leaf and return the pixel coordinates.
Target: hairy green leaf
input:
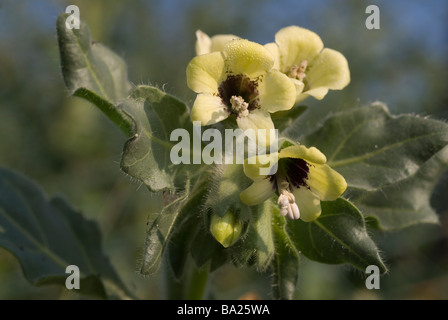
(203, 247)
(47, 236)
(391, 163)
(262, 234)
(188, 225)
(257, 246)
(227, 181)
(161, 229)
(286, 261)
(372, 149)
(167, 229)
(146, 155)
(92, 71)
(339, 235)
(407, 202)
(180, 243)
(284, 119)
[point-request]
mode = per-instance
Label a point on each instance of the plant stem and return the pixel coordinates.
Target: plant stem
(192, 286)
(173, 289)
(198, 282)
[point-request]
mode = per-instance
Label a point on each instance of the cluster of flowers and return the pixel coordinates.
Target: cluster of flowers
(238, 78)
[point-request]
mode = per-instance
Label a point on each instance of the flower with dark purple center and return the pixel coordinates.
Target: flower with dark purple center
(239, 81)
(300, 177)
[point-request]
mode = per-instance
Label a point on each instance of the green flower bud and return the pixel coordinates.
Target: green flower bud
(226, 229)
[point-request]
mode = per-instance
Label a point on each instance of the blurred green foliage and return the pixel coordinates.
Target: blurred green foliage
(70, 148)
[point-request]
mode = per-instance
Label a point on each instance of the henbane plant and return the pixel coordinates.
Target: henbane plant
(310, 197)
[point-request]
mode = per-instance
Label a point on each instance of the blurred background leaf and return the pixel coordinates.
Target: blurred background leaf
(47, 236)
(69, 147)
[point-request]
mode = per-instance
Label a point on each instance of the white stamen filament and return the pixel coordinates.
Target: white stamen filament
(298, 71)
(239, 106)
(287, 203)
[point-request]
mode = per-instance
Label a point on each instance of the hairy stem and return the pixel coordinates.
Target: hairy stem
(192, 286)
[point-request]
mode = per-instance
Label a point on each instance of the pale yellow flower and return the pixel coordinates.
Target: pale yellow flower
(301, 178)
(239, 81)
(206, 44)
(300, 54)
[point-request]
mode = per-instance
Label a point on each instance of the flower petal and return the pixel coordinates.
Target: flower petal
(296, 45)
(261, 123)
(277, 92)
(205, 72)
(312, 154)
(203, 43)
(308, 203)
(247, 57)
(253, 165)
(272, 47)
(219, 41)
(257, 193)
(326, 182)
(299, 85)
(208, 109)
(329, 70)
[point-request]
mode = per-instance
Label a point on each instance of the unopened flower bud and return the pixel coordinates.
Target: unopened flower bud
(226, 229)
